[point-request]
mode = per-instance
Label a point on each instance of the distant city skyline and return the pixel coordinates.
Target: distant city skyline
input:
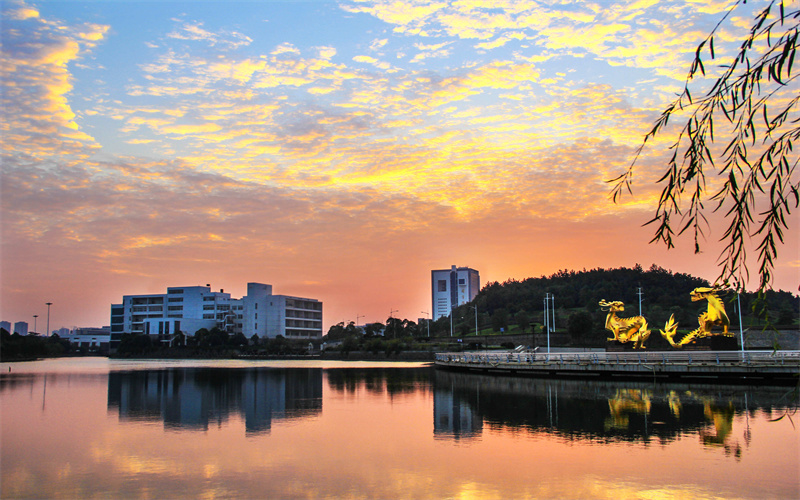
(340, 148)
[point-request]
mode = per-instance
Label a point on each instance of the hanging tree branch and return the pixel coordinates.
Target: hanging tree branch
(756, 97)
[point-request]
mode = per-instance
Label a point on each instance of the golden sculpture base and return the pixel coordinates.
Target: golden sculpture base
(713, 343)
(617, 346)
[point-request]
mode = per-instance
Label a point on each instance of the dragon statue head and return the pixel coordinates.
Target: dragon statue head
(615, 306)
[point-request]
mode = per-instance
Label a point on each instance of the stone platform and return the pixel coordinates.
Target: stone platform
(729, 366)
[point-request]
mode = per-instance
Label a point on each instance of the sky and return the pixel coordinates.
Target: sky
(337, 150)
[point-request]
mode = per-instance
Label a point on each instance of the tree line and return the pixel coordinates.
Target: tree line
(518, 306)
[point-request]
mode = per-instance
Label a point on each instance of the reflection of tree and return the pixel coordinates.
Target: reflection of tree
(605, 411)
(393, 381)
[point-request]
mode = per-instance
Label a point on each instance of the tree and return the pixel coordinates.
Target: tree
(500, 320)
(579, 324)
(753, 97)
(336, 332)
(394, 328)
(523, 319)
(373, 329)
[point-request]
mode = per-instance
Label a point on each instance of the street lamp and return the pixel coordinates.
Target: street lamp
(741, 330)
(47, 333)
(394, 324)
(451, 321)
(549, 301)
(640, 293)
(476, 319)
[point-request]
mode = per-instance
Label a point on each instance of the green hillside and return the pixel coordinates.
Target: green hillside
(516, 305)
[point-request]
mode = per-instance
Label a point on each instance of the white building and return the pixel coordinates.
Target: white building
(188, 309)
(93, 339)
(21, 327)
(451, 288)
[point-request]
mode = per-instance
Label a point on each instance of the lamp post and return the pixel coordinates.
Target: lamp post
(34, 322)
(547, 324)
(428, 321)
(394, 325)
(451, 320)
(741, 330)
(639, 293)
(47, 333)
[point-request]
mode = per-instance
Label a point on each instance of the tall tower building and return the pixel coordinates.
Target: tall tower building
(451, 288)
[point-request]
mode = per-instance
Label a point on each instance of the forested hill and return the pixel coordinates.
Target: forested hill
(663, 293)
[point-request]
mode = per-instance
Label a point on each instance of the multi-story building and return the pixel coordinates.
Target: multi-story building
(451, 288)
(93, 339)
(21, 327)
(188, 309)
(6, 325)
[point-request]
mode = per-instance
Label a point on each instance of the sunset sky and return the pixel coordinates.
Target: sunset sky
(338, 150)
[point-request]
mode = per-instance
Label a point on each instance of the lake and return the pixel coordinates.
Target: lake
(93, 427)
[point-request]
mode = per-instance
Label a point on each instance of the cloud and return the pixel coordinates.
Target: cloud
(194, 31)
(222, 155)
(36, 84)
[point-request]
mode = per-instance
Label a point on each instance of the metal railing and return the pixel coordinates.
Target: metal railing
(654, 357)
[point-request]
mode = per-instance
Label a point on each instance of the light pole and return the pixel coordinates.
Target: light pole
(47, 333)
(428, 321)
(394, 325)
(639, 293)
(451, 321)
(741, 330)
(34, 322)
(547, 325)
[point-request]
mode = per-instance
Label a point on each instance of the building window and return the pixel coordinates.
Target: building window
(442, 285)
(175, 290)
(462, 281)
(176, 299)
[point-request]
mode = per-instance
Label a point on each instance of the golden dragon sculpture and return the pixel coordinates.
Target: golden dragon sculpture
(632, 329)
(714, 316)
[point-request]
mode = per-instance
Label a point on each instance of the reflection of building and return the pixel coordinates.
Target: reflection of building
(451, 288)
(192, 398)
(188, 309)
(591, 409)
(454, 417)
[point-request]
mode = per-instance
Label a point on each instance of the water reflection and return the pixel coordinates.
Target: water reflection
(598, 411)
(390, 381)
(234, 431)
(193, 398)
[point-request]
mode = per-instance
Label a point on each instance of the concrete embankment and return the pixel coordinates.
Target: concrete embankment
(730, 366)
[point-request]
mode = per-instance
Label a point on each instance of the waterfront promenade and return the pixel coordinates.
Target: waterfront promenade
(747, 366)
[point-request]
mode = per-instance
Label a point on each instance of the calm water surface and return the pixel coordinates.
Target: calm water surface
(83, 428)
